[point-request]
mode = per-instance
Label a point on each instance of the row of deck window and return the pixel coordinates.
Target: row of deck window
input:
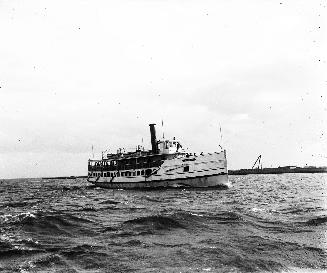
(118, 174)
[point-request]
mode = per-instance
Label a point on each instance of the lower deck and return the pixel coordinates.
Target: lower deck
(123, 173)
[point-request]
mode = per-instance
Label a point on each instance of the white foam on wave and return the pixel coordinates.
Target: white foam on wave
(257, 210)
(195, 214)
(16, 217)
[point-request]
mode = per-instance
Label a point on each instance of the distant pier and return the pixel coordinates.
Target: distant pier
(279, 170)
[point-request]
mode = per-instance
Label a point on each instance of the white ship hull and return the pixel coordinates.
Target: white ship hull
(214, 181)
(203, 171)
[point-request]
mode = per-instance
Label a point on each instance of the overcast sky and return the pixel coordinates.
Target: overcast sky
(79, 73)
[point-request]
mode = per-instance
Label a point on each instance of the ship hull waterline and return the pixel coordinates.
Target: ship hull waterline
(208, 181)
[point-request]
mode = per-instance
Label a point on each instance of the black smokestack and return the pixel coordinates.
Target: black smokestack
(153, 138)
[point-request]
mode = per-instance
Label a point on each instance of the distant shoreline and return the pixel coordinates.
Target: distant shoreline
(279, 170)
(65, 177)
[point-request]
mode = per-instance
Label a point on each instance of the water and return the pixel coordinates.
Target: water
(264, 223)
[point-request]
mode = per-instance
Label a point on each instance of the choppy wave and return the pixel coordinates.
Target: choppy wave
(259, 225)
(10, 247)
(154, 222)
(317, 221)
(55, 223)
(111, 202)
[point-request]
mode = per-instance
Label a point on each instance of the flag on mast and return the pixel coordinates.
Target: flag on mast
(221, 137)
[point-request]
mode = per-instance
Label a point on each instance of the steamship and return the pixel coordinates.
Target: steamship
(166, 165)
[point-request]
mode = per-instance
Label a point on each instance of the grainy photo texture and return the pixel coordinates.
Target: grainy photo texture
(163, 136)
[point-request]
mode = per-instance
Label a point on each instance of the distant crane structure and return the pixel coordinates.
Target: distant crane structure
(259, 163)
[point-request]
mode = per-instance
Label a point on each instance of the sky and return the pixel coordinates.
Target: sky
(79, 73)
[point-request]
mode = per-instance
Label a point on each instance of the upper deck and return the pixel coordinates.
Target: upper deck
(140, 158)
(131, 161)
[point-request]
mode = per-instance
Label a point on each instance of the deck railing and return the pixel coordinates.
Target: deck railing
(124, 167)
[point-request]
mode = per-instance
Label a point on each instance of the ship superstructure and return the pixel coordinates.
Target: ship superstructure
(165, 165)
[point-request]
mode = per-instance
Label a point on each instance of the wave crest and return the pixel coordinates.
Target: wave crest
(155, 222)
(54, 223)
